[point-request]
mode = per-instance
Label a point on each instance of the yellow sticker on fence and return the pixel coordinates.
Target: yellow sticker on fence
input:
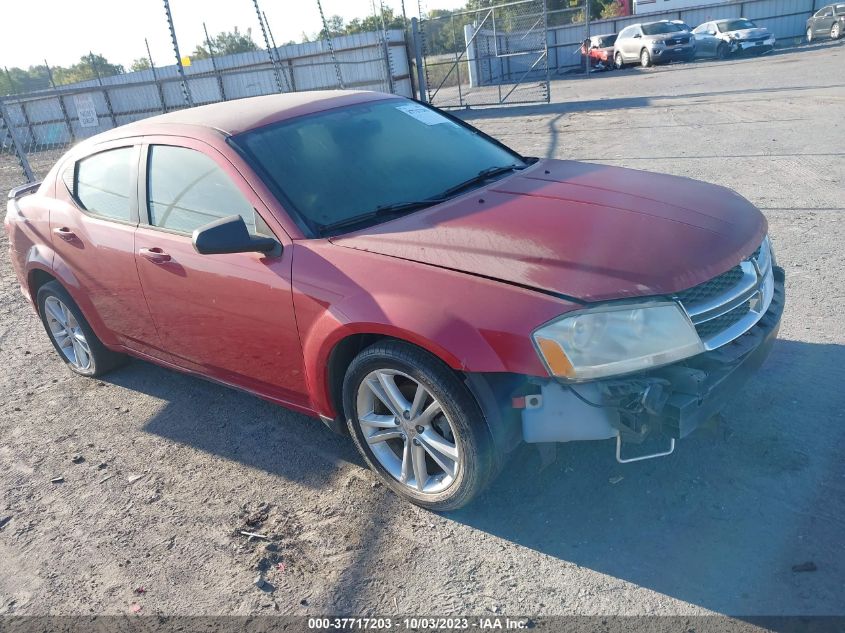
(186, 61)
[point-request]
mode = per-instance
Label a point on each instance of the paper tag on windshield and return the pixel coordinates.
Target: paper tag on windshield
(421, 113)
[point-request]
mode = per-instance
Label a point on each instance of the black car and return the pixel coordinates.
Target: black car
(828, 21)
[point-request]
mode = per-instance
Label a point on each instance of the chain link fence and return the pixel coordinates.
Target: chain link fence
(491, 56)
(36, 128)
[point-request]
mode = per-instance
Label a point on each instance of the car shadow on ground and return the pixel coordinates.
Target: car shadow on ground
(718, 524)
(721, 522)
(238, 426)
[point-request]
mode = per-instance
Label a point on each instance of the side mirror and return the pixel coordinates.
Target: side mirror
(230, 235)
(637, 35)
(711, 32)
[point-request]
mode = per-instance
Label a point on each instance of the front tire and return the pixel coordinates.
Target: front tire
(645, 58)
(835, 31)
(71, 335)
(417, 426)
(618, 62)
(722, 51)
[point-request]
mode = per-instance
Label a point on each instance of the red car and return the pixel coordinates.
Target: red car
(599, 50)
(386, 267)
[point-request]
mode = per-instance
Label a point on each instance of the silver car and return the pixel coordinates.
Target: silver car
(723, 38)
(653, 42)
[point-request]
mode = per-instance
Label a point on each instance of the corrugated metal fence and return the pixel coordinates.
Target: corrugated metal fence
(44, 123)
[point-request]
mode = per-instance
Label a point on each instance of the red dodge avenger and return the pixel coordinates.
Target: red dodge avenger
(388, 268)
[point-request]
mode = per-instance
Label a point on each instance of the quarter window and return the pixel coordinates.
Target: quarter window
(103, 183)
(186, 190)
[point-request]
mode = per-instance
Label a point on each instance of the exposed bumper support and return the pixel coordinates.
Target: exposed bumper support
(671, 401)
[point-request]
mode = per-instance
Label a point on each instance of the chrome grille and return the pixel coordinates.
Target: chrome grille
(727, 306)
(713, 287)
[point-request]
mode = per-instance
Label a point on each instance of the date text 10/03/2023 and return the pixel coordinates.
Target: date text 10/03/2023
(415, 623)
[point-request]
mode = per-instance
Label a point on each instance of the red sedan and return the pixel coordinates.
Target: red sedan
(385, 267)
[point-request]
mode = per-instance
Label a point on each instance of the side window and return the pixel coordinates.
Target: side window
(702, 28)
(186, 189)
(626, 32)
(103, 183)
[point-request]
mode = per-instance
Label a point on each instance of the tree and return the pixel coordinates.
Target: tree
(142, 63)
(227, 43)
(88, 67)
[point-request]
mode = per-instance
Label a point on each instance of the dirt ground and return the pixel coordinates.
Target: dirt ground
(163, 472)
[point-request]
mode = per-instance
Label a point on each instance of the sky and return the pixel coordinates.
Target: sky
(65, 31)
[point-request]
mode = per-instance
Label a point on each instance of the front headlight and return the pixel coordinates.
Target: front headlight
(616, 339)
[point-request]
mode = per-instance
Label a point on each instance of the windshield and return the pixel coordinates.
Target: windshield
(839, 9)
(735, 25)
(658, 28)
(336, 165)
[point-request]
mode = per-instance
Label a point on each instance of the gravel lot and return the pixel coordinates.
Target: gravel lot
(716, 527)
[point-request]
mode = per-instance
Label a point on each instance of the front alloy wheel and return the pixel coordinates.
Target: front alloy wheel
(835, 31)
(645, 58)
(618, 61)
(417, 425)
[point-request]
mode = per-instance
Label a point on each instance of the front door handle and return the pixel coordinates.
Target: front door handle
(65, 233)
(155, 255)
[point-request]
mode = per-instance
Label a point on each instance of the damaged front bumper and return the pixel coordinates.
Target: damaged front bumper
(671, 401)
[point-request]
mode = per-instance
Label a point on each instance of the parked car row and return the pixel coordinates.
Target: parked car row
(650, 43)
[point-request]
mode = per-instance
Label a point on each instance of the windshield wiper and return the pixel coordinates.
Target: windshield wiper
(397, 208)
(483, 175)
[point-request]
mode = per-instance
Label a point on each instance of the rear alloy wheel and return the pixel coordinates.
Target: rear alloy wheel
(417, 425)
(809, 35)
(835, 31)
(71, 335)
(645, 58)
(618, 61)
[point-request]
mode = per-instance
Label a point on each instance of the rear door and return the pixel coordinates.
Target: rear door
(93, 222)
(227, 316)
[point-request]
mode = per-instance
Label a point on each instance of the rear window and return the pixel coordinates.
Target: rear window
(658, 28)
(103, 183)
(603, 41)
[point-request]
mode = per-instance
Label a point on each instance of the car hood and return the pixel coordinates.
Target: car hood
(662, 37)
(590, 232)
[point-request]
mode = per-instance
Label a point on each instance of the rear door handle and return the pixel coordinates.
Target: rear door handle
(65, 233)
(155, 255)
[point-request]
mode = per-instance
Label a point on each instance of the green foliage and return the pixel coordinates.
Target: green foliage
(18, 80)
(226, 43)
(141, 63)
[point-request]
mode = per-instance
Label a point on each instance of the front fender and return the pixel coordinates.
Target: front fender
(472, 324)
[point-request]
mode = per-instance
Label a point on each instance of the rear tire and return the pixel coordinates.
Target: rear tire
(645, 58)
(452, 447)
(71, 335)
(809, 35)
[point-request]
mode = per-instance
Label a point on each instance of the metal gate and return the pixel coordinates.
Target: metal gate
(492, 56)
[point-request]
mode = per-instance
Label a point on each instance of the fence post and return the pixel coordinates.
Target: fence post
(277, 74)
(105, 90)
(186, 89)
(155, 77)
(587, 28)
(288, 80)
(415, 35)
(22, 105)
(214, 64)
(61, 102)
(385, 41)
(23, 161)
(328, 39)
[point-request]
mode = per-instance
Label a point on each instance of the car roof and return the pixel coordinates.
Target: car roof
(241, 115)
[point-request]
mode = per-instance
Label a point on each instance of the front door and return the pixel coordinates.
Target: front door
(227, 316)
